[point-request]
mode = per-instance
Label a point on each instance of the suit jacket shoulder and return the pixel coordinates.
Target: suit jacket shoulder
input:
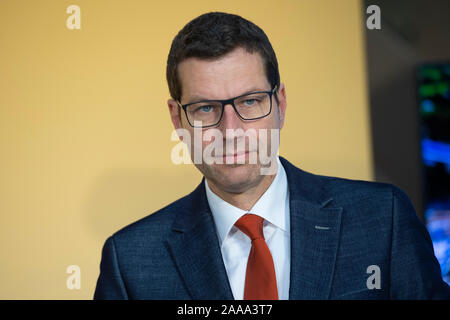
(156, 225)
(345, 229)
(136, 262)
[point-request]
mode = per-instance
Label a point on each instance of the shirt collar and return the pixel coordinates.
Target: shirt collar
(271, 206)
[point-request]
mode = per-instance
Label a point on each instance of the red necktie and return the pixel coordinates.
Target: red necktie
(260, 279)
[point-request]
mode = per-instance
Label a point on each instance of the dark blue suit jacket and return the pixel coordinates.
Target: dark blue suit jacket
(339, 228)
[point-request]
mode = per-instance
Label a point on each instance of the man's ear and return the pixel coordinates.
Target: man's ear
(281, 93)
(175, 115)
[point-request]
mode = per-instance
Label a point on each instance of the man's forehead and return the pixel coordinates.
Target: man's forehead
(237, 72)
(232, 59)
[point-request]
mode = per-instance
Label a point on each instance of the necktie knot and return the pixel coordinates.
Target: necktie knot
(251, 225)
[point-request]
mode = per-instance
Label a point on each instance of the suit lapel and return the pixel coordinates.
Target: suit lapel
(194, 247)
(315, 233)
(314, 244)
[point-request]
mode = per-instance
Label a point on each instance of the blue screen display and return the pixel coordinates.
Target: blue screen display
(434, 104)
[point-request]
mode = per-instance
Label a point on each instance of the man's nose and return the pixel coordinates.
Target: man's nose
(230, 119)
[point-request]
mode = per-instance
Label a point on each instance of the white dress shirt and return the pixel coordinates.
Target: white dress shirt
(273, 206)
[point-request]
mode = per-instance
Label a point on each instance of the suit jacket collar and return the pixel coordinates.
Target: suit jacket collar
(315, 233)
(315, 228)
(194, 247)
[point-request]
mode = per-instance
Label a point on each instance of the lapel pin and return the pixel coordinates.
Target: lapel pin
(322, 228)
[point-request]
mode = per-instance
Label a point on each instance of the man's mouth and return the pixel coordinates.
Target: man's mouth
(238, 157)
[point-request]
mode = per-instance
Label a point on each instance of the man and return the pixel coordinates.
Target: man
(249, 233)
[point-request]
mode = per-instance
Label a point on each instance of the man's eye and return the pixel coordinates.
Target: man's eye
(204, 109)
(250, 102)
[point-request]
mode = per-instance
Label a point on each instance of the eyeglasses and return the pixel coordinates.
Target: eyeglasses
(250, 106)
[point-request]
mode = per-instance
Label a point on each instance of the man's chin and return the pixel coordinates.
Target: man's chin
(232, 177)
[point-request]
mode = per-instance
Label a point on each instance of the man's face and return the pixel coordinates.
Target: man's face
(234, 74)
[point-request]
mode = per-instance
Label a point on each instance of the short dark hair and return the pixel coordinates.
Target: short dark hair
(213, 35)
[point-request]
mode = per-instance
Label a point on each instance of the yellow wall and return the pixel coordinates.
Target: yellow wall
(85, 130)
